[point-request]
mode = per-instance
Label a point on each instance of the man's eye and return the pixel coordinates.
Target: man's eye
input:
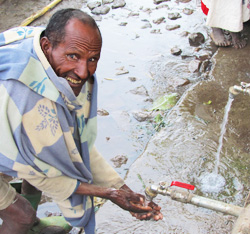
(72, 56)
(93, 59)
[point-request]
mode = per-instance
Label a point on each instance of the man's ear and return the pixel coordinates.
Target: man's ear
(46, 46)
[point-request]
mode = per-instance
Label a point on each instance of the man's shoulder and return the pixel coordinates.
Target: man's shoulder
(16, 35)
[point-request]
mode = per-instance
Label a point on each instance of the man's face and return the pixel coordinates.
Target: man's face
(75, 59)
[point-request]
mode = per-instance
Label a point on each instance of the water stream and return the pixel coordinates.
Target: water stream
(222, 133)
(214, 182)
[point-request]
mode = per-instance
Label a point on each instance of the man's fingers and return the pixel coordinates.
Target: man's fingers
(139, 208)
(149, 215)
(144, 216)
(154, 206)
(158, 217)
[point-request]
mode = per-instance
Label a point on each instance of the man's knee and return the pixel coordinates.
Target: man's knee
(19, 213)
(26, 213)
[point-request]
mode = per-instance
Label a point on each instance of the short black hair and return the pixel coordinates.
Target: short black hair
(55, 30)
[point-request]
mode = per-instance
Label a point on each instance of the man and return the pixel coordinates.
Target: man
(48, 108)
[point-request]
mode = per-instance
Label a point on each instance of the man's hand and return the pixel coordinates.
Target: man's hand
(136, 204)
(125, 198)
(154, 214)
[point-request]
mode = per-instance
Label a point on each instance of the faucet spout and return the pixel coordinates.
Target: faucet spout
(243, 88)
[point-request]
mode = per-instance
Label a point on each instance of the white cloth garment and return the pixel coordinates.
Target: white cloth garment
(227, 14)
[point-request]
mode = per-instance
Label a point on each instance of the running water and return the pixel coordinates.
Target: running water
(214, 182)
(223, 131)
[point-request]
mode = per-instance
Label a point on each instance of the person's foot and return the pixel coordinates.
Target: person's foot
(237, 41)
(219, 38)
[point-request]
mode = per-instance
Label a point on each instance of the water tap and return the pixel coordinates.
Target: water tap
(243, 88)
(165, 189)
(152, 191)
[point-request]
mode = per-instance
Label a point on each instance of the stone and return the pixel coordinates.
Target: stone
(101, 10)
(147, 10)
(155, 31)
(184, 1)
(141, 90)
(172, 27)
(118, 4)
(175, 51)
(149, 100)
(174, 16)
(134, 14)
(188, 11)
(163, 6)
(133, 79)
(102, 112)
(160, 1)
(159, 20)
(123, 23)
(141, 116)
(122, 71)
(196, 39)
(107, 1)
(146, 25)
(93, 5)
(205, 66)
(203, 56)
(119, 160)
(194, 66)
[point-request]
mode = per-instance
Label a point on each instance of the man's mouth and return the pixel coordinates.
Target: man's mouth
(73, 81)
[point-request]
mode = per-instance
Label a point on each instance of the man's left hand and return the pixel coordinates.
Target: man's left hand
(154, 213)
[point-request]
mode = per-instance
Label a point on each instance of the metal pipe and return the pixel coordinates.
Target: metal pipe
(216, 205)
(187, 197)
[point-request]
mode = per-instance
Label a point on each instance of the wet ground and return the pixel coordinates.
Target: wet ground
(187, 148)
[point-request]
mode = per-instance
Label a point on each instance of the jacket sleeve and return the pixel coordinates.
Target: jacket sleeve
(103, 174)
(59, 188)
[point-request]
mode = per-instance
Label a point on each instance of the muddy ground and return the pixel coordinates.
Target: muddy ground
(186, 147)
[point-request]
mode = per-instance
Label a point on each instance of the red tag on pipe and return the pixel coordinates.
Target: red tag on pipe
(182, 185)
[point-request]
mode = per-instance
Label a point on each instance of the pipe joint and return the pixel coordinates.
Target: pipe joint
(181, 195)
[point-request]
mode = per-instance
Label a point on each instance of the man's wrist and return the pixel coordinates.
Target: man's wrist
(110, 193)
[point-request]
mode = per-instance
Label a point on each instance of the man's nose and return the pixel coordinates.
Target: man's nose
(81, 70)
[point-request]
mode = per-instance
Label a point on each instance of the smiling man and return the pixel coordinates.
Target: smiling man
(48, 109)
(75, 58)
